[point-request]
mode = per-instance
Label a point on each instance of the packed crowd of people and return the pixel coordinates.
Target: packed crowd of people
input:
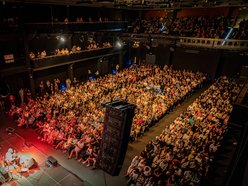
(57, 52)
(50, 87)
(90, 45)
(202, 27)
(80, 19)
(183, 152)
(242, 32)
(72, 120)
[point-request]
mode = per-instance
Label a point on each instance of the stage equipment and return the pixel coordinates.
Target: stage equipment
(51, 162)
(117, 125)
(10, 129)
(26, 162)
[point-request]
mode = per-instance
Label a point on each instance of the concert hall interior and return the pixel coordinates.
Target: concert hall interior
(123, 92)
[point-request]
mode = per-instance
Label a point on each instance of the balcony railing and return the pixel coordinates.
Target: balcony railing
(188, 41)
(214, 43)
(59, 60)
(57, 27)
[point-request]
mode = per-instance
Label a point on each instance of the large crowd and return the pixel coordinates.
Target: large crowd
(202, 27)
(242, 32)
(72, 120)
(184, 151)
(90, 45)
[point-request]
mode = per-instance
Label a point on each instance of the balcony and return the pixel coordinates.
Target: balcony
(59, 60)
(228, 44)
(214, 43)
(58, 27)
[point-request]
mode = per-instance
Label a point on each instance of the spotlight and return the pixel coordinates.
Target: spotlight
(62, 39)
(118, 44)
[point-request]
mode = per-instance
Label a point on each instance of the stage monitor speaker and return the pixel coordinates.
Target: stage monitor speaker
(51, 161)
(10, 129)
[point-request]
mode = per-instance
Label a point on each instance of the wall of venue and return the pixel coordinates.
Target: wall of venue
(103, 65)
(50, 74)
(231, 63)
(196, 59)
(211, 61)
(203, 12)
(162, 54)
(16, 81)
(81, 69)
(155, 13)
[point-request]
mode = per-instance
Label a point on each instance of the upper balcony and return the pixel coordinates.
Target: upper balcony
(160, 39)
(65, 27)
(79, 56)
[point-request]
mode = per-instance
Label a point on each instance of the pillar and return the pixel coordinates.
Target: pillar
(121, 61)
(70, 72)
(31, 82)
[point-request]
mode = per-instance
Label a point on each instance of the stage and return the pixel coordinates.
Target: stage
(36, 175)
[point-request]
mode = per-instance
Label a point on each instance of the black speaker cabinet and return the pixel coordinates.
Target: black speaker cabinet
(51, 161)
(115, 137)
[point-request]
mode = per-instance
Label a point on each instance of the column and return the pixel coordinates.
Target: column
(70, 72)
(31, 82)
(121, 61)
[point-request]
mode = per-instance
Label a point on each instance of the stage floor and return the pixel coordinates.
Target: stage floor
(41, 175)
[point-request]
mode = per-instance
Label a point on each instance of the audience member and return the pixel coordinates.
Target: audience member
(204, 27)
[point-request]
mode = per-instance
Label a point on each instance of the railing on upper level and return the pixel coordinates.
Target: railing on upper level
(84, 55)
(53, 27)
(188, 41)
(214, 43)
